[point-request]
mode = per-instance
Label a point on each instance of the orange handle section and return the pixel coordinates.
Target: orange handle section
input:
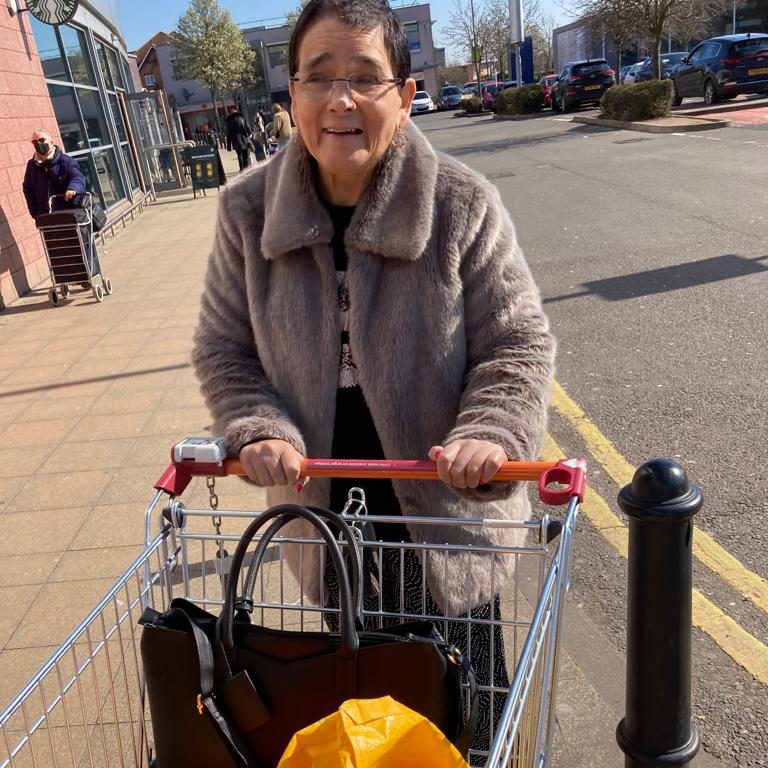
(396, 469)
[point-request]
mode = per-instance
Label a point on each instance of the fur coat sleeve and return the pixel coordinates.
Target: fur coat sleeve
(510, 350)
(240, 397)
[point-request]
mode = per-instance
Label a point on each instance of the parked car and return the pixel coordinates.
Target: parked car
(449, 98)
(489, 92)
(668, 62)
(469, 90)
(546, 83)
(631, 75)
(581, 82)
(623, 73)
(422, 102)
(502, 87)
(723, 67)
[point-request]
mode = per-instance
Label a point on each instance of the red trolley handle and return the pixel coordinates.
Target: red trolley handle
(568, 474)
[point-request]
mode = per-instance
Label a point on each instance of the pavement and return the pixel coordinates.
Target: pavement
(93, 396)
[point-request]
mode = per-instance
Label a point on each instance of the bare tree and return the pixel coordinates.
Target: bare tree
(465, 33)
(541, 32)
(624, 20)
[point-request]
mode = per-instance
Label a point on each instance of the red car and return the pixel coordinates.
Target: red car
(546, 83)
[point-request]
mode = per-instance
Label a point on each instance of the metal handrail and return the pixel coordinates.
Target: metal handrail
(111, 223)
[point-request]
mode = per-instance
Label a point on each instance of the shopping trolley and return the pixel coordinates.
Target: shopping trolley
(86, 705)
(68, 240)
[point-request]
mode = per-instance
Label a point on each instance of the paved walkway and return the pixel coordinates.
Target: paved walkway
(92, 397)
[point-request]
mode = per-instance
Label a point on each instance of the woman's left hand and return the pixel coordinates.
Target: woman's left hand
(467, 463)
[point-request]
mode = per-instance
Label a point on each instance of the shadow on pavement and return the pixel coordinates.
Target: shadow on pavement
(501, 145)
(667, 279)
(92, 380)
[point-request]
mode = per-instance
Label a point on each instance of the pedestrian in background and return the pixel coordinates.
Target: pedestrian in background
(282, 128)
(238, 138)
(50, 172)
(367, 297)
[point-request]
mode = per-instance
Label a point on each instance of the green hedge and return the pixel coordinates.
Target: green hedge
(473, 105)
(520, 101)
(638, 101)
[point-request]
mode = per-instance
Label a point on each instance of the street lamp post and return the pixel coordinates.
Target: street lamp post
(734, 18)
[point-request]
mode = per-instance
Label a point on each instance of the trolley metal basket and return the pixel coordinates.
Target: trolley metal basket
(86, 705)
(68, 240)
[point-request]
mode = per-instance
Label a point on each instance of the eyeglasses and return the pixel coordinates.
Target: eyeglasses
(366, 86)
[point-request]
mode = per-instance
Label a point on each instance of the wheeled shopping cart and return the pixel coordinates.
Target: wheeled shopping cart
(86, 705)
(68, 240)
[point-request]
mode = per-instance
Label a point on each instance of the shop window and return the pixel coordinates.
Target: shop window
(95, 121)
(101, 50)
(86, 166)
(67, 117)
(128, 159)
(77, 55)
(49, 50)
(109, 179)
(114, 68)
(412, 31)
(118, 117)
(278, 55)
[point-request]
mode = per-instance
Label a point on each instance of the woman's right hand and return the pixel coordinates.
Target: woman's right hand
(273, 462)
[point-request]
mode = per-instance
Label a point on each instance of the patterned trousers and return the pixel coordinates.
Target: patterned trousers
(400, 574)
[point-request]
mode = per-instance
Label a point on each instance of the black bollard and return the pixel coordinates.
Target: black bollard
(657, 728)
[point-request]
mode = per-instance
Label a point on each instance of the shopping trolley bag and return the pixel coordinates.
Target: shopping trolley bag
(225, 692)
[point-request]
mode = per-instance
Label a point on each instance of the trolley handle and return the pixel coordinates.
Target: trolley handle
(207, 459)
(83, 197)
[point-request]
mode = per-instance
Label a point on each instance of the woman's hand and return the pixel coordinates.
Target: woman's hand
(273, 462)
(467, 463)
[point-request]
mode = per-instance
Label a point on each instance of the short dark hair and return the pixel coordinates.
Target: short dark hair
(360, 14)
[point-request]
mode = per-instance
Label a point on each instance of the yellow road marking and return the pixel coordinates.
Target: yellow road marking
(743, 648)
(705, 548)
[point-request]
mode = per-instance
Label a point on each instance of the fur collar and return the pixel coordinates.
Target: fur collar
(402, 190)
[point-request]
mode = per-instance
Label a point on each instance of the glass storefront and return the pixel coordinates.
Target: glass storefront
(86, 77)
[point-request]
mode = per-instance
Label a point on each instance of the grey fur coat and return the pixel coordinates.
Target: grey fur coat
(446, 325)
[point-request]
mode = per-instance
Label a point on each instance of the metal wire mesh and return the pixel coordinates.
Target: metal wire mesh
(86, 705)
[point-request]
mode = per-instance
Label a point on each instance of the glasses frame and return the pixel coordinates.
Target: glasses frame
(348, 80)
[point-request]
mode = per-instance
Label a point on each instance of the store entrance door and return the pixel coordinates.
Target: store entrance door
(156, 140)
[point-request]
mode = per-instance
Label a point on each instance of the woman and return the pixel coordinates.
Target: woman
(282, 129)
(366, 297)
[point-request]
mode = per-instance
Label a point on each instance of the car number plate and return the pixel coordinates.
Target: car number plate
(592, 87)
(760, 71)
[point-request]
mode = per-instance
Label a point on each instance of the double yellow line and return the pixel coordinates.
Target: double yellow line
(740, 645)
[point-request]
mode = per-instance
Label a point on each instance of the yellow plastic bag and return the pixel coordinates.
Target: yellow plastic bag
(371, 733)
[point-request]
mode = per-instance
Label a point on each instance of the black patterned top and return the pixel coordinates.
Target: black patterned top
(354, 433)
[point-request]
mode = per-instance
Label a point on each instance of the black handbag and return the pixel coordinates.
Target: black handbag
(98, 217)
(224, 692)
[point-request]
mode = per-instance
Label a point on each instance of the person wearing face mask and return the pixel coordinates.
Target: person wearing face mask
(50, 172)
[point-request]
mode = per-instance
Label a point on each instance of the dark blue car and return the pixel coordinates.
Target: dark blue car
(449, 98)
(581, 82)
(723, 67)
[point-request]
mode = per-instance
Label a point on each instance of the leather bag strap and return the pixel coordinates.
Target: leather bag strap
(345, 530)
(464, 740)
(224, 624)
(206, 701)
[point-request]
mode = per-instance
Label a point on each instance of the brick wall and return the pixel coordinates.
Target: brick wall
(24, 106)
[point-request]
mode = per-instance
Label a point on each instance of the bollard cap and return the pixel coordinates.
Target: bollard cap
(660, 492)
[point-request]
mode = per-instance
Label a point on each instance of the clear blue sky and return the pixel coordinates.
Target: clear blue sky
(143, 18)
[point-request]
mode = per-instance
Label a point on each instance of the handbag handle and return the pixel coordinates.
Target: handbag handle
(225, 623)
(245, 602)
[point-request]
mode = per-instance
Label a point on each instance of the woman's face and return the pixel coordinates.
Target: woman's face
(346, 133)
